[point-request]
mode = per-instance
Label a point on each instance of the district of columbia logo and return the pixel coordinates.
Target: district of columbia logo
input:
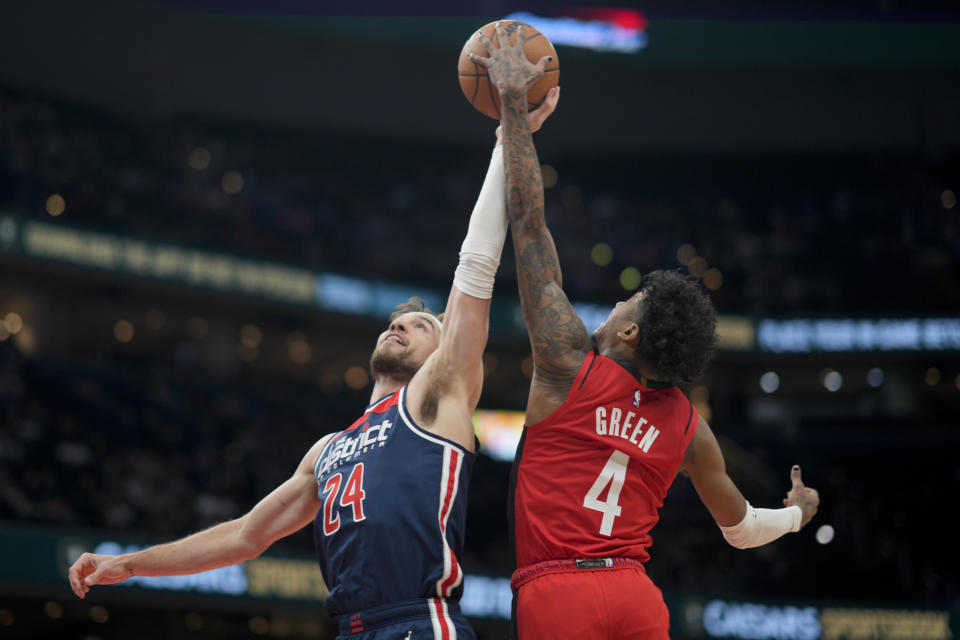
(636, 398)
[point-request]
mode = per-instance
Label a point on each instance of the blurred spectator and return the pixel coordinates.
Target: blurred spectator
(788, 235)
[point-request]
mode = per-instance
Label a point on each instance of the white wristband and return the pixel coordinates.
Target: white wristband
(486, 234)
(760, 526)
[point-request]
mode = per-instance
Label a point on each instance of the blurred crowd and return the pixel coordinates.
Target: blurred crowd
(859, 233)
(127, 446)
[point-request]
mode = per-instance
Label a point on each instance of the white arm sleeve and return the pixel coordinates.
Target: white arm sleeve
(486, 233)
(760, 526)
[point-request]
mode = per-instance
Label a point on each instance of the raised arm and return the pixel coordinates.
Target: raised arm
(557, 336)
(288, 508)
(452, 378)
(743, 526)
(444, 393)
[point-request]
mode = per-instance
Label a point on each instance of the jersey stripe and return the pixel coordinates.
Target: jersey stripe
(378, 403)
(407, 420)
(443, 628)
(593, 359)
(359, 421)
(444, 488)
(453, 455)
(316, 464)
(689, 420)
(452, 576)
(512, 499)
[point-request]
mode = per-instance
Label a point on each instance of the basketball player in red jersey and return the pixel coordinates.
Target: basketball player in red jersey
(606, 429)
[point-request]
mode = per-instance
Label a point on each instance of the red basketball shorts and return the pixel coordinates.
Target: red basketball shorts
(619, 602)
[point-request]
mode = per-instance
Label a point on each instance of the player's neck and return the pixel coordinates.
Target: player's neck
(383, 387)
(623, 354)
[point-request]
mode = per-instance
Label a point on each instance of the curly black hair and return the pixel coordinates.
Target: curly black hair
(678, 326)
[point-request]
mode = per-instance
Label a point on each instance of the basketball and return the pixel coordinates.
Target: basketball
(476, 84)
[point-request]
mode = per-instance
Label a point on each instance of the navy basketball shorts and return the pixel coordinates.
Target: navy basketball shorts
(428, 619)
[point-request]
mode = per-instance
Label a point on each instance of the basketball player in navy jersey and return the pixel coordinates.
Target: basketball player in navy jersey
(606, 428)
(387, 495)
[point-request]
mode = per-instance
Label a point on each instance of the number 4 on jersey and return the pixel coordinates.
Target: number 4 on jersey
(614, 473)
(353, 493)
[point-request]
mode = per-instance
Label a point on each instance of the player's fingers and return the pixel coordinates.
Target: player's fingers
(549, 102)
(94, 577)
(503, 38)
(518, 37)
(795, 476)
(541, 66)
(542, 112)
(485, 41)
(553, 97)
(74, 578)
(77, 572)
(480, 60)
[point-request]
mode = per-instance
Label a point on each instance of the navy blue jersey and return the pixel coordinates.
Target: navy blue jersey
(394, 508)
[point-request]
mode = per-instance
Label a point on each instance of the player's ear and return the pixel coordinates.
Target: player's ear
(630, 333)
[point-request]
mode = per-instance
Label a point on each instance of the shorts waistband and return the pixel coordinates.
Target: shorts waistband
(525, 574)
(374, 617)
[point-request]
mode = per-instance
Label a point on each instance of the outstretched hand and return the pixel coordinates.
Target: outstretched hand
(506, 64)
(94, 568)
(538, 116)
(806, 498)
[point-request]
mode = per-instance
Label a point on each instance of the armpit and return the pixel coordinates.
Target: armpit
(439, 383)
(553, 380)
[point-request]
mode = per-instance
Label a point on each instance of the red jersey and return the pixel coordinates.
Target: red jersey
(591, 477)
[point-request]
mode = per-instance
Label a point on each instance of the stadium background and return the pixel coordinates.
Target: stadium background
(207, 210)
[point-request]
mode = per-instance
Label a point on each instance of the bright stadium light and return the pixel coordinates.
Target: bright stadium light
(770, 382)
(832, 381)
(618, 30)
(825, 534)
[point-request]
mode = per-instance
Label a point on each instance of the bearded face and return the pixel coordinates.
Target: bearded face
(387, 362)
(403, 348)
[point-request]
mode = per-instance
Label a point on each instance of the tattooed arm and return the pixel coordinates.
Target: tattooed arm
(557, 335)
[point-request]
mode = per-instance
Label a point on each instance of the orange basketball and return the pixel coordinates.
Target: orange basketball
(476, 84)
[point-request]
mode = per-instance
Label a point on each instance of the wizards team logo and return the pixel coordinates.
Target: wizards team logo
(636, 398)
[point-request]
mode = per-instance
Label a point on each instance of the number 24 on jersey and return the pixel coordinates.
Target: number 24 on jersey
(353, 497)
